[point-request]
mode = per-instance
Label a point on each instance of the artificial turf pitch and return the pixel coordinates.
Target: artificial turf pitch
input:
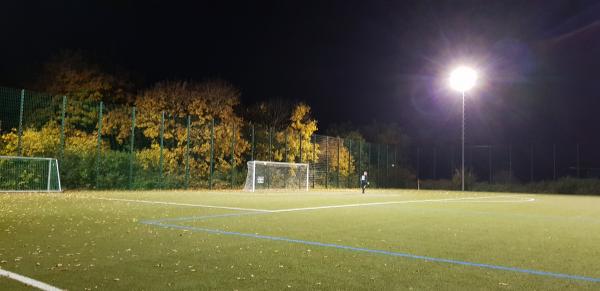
(386, 240)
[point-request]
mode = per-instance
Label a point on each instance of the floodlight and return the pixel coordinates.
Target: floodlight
(463, 78)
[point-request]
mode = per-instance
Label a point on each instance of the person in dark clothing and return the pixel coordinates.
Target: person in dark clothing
(364, 182)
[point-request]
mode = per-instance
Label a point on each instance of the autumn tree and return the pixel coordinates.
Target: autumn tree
(85, 83)
(297, 135)
(75, 75)
(173, 102)
(274, 113)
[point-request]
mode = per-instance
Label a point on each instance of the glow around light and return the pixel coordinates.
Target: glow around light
(462, 79)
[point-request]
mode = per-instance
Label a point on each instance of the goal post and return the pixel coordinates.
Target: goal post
(29, 174)
(264, 175)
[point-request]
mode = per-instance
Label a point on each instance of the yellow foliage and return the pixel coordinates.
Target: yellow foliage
(346, 160)
(41, 143)
(8, 145)
(81, 142)
(178, 100)
(300, 130)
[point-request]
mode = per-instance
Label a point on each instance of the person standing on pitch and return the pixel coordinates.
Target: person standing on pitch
(364, 182)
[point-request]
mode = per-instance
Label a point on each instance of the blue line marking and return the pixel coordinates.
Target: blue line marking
(356, 249)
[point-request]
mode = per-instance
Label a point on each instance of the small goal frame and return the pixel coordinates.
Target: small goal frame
(49, 178)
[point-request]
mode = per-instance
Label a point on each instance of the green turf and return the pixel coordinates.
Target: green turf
(76, 242)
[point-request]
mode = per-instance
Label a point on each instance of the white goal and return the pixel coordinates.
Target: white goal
(29, 174)
(263, 175)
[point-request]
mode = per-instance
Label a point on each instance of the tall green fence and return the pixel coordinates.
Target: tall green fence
(111, 146)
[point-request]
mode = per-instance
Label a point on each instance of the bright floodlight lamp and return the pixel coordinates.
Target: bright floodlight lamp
(462, 79)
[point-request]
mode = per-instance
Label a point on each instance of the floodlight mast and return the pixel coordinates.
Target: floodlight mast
(463, 79)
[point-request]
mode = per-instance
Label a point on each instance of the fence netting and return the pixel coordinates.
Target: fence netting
(113, 146)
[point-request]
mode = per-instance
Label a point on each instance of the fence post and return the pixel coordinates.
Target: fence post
(379, 183)
(369, 161)
(270, 143)
(314, 155)
(187, 153)
(348, 171)
(452, 166)
(233, 156)
(161, 158)
(212, 153)
(326, 162)
(338, 163)
(434, 163)
(285, 146)
(396, 165)
(253, 144)
(62, 128)
(578, 163)
(554, 162)
(131, 147)
(387, 166)
(300, 139)
(509, 163)
(359, 168)
(490, 163)
(19, 142)
(99, 143)
(418, 164)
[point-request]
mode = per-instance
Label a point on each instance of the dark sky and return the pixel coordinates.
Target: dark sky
(350, 60)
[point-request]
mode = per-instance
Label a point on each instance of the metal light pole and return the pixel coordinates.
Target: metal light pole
(462, 175)
(463, 79)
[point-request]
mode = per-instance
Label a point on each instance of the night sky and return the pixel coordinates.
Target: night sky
(355, 61)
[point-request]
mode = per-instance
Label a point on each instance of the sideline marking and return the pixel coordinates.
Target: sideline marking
(183, 204)
(523, 200)
(381, 252)
(28, 281)
(459, 199)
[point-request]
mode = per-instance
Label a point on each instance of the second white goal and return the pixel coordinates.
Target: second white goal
(263, 175)
(29, 174)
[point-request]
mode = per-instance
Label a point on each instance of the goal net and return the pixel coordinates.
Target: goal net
(28, 174)
(264, 175)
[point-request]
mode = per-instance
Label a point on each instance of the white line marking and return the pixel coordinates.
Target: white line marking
(28, 281)
(183, 204)
(523, 200)
(386, 203)
(460, 199)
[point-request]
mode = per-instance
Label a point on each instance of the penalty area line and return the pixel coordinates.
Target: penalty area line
(28, 281)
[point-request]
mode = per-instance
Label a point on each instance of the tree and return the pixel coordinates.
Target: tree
(73, 74)
(274, 113)
(299, 130)
(203, 102)
(85, 83)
